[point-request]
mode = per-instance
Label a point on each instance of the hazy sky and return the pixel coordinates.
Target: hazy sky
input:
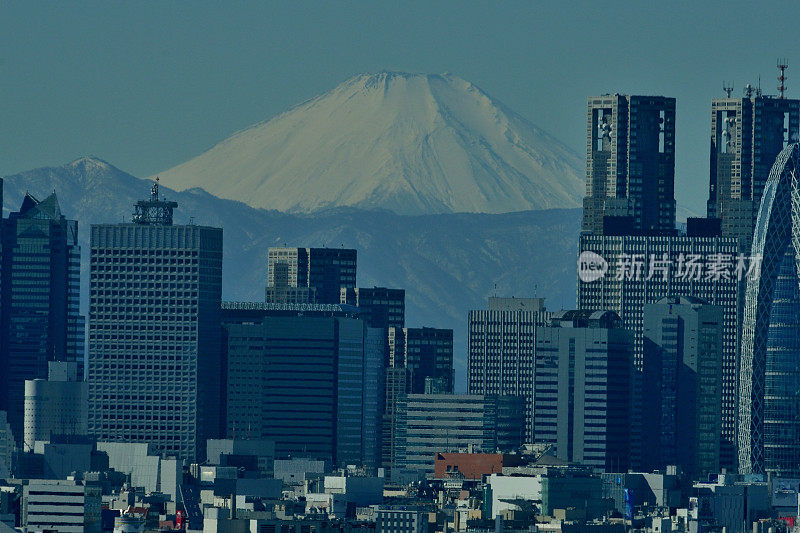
(148, 85)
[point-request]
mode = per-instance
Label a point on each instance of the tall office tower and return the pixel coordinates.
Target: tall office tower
(769, 411)
(425, 352)
(643, 269)
(56, 405)
(683, 385)
(40, 298)
(305, 376)
(379, 307)
(502, 348)
(582, 383)
(307, 275)
(746, 135)
(396, 385)
(630, 165)
(154, 337)
(432, 423)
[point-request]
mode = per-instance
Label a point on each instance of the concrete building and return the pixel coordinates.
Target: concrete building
(582, 388)
(310, 383)
(513, 493)
(235, 452)
(323, 270)
(55, 406)
(425, 352)
(401, 520)
(683, 385)
(379, 307)
(61, 505)
(731, 503)
(630, 164)
(644, 269)
(769, 413)
(747, 134)
(146, 468)
(297, 469)
(154, 338)
(39, 298)
(502, 348)
(428, 424)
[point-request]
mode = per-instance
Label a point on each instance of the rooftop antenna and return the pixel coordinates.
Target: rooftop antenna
(782, 66)
(748, 90)
(728, 89)
(758, 89)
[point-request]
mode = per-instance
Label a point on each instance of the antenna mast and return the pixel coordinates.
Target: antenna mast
(727, 88)
(782, 66)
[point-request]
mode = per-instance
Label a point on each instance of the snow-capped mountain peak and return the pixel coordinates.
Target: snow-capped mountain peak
(410, 143)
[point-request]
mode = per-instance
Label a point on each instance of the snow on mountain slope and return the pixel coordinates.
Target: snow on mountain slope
(409, 143)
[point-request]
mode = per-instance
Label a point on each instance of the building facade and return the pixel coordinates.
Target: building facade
(747, 134)
(312, 383)
(309, 275)
(154, 334)
(39, 298)
(502, 349)
(428, 424)
(683, 385)
(769, 409)
(582, 388)
(379, 307)
(642, 269)
(425, 352)
(630, 164)
(61, 505)
(57, 405)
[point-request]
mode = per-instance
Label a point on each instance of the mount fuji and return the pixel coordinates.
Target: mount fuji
(408, 143)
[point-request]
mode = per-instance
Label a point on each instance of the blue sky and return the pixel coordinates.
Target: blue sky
(147, 85)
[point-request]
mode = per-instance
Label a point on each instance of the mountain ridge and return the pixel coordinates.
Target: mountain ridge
(445, 270)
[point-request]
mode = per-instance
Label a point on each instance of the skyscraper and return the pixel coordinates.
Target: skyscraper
(154, 331)
(680, 265)
(426, 353)
(308, 275)
(39, 297)
(582, 393)
(630, 164)
(769, 385)
(379, 307)
(309, 378)
(502, 349)
(683, 385)
(746, 135)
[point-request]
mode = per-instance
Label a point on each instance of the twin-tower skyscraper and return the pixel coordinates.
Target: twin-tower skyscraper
(629, 212)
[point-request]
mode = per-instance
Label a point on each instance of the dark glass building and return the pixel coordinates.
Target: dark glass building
(39, 297)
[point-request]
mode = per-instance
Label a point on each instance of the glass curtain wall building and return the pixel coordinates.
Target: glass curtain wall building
(769, 399)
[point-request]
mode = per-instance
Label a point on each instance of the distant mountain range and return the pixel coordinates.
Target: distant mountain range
(448, 263)
(408, 143)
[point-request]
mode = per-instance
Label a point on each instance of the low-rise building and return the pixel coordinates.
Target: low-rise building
(427, 424)
(473, 465)
(61, 505)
